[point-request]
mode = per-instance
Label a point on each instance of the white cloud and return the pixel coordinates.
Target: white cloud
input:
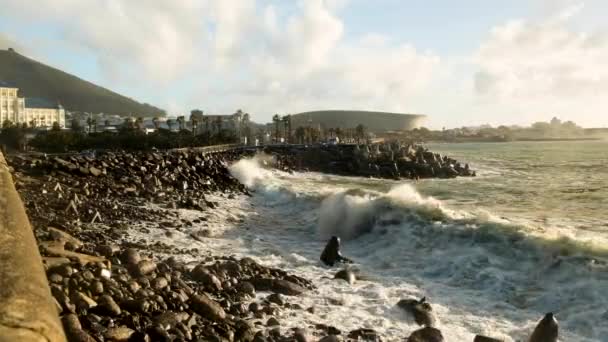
(543, 68)
(264, 57)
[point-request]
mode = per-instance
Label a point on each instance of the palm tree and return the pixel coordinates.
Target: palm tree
(139, 123)
(360, 132)
(181, 121)
(300, 134)
(206, 121)
(170, 124)
(106, 123)
(339, 132)
(94, 123)
(33, 123)
(89, 124)
(287, 123)
(219, 122)
(156, 122)
(246, 128)
(276, 119)
(194, 125)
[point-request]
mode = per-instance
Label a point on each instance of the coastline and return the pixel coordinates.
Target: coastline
(138, 218)
(112, 281)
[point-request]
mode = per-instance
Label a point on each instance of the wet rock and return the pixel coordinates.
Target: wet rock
(159, 283)
(300, 335)
(276, 298)
(364, 335)
(143, 268)
(73, 329)
(83, 302)
(247, 288)
(119, 334)
(96, 287)
(107, 250)
(331, 338)
(480, 338)
(272, 322)
(244, 331)
(131, 257)
(426, 334)
(281, 286)
(109, 305)
(347, 275)
(207, 307)
(201, 274)
(421, 310)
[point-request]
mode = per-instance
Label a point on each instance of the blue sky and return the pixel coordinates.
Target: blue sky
(465, 62)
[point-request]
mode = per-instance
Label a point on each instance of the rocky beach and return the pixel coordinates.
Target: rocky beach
(92, 215)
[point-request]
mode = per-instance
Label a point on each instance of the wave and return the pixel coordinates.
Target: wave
(351, 214)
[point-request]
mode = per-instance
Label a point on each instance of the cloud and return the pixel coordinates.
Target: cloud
(263, 56)
(544, 66)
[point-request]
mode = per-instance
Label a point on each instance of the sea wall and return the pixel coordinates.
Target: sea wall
(383, 160)
(27, 310)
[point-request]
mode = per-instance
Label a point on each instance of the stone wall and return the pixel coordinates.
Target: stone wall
(27, 309)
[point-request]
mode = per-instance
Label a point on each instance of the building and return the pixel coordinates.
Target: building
(374, 122)
(34, 112)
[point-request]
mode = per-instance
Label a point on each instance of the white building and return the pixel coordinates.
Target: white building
(31, 111)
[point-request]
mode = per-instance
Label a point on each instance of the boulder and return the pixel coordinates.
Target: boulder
(281, 286)
(207, 307)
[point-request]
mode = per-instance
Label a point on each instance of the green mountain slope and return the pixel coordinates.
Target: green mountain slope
(35, 79)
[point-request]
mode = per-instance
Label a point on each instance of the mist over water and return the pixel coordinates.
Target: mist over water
(492, 253)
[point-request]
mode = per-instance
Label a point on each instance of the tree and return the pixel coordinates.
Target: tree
(194, 125)
(360, 132)
(75, 126)
(276, 119)
(106, 123)
(196, 114)
(287, 123)
(339, 133)
(7, 124)
(94, 123)
(219, 122)
(156, 122)
(181, 120)
(300, 134)
(129, 123)
(206, 121)
(89, 124)
(170, 124)
(139, 123)
(56, 127)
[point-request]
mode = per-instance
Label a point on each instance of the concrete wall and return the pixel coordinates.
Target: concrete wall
(27, 309)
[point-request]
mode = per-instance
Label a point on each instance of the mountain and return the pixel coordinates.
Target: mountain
(35, 79)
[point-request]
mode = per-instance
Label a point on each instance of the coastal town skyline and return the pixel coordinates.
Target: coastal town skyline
(528, 62)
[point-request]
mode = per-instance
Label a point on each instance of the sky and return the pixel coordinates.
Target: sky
(462, 63)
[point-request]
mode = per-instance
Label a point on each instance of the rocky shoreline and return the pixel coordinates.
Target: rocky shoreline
(386, 160)
(109, 286)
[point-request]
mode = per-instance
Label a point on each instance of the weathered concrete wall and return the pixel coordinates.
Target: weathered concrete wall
(27, 309)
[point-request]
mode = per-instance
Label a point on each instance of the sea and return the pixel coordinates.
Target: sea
(492, 254)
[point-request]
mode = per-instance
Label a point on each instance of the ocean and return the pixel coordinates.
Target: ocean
(492, 254)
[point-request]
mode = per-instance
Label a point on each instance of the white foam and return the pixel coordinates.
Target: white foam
(482, 273)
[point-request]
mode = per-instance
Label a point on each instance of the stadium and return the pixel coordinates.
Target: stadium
(375, 122)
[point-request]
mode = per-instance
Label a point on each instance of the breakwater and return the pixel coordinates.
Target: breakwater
(389, 160)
